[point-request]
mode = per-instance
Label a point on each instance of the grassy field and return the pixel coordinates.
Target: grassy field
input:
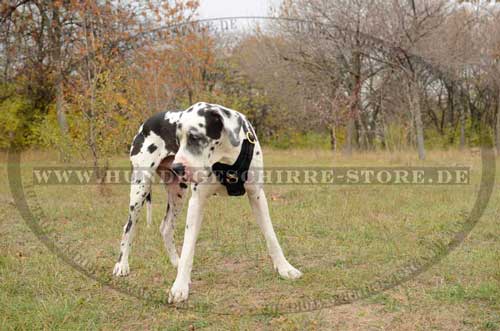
(339, 236)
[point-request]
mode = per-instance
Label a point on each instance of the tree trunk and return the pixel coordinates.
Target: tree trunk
(55, 35)
(362, 133)
(55, 32)
(497, 125)
(61, 120)
(352, 136)
(462, 126)
(451, 104)
(61, 115)
(333, 138)
(383, 141)
(419, 127)
(415, 108)
(351, 128)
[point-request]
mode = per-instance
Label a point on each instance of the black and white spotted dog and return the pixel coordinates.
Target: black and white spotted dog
(204, 142)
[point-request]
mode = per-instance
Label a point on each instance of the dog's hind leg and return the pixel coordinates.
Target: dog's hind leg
(139, 189)
(149, 207)
(177, 192)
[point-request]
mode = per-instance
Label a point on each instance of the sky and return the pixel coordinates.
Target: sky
(225, 8)
(231, 8)
(480, 6)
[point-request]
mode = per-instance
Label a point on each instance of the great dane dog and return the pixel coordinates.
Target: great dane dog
(196, 146)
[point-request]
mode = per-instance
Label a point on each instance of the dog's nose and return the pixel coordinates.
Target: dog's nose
(178, 169)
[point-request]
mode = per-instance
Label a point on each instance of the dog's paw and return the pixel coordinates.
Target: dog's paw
(289, 272)
(121, 269)
(178, 293)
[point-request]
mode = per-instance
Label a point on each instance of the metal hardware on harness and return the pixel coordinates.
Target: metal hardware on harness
(250, 137)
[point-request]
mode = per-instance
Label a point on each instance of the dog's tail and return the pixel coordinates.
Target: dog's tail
(149, 209)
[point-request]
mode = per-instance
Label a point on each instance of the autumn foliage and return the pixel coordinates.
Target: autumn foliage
(80, 76)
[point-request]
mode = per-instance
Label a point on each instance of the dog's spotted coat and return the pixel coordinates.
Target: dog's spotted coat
(181, 147)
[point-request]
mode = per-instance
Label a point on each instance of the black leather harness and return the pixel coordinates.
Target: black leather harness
(234, 176)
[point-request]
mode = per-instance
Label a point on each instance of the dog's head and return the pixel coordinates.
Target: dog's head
(206, 134)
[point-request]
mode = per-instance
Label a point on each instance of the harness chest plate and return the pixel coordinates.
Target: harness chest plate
(234, 176)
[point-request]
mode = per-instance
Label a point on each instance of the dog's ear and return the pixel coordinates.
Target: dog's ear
(214, 123)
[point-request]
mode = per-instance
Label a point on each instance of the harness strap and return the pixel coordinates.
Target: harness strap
(234, 176)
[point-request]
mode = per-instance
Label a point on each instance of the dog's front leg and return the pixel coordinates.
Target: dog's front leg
(180, 289)
(139, 189)
(260, 208)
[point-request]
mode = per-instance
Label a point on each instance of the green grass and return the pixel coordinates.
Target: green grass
(341, 237)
